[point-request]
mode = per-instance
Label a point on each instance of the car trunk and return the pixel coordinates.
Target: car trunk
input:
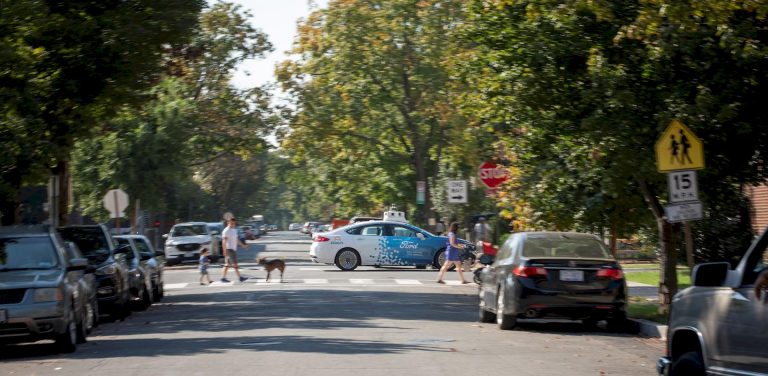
(574, 275)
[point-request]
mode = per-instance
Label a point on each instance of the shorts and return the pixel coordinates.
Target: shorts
(231, 259)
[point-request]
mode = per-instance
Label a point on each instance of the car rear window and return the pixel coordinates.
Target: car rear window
(27, 253)
(565, 246)
(91, 242)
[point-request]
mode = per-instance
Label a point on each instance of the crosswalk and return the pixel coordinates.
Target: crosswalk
(315, 282)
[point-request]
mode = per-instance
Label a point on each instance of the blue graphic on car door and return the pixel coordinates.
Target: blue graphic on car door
(402, 246)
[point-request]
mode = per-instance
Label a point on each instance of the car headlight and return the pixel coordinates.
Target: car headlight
(106, 270)
(51, 294)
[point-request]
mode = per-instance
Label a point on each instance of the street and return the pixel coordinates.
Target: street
(322, 321)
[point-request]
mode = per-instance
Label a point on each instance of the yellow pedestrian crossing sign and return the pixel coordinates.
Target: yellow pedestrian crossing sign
(679, 149)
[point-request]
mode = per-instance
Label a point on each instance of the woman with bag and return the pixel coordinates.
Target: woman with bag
(452, 254)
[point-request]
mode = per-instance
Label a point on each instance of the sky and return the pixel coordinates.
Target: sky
(276, 18)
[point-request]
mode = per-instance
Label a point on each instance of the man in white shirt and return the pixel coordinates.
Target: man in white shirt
(229, 243)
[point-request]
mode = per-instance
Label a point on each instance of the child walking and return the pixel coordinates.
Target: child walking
(204, 262)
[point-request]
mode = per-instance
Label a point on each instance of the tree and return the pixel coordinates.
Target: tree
(197, 136)
(371, 91)
(587, 87)
(67, 68)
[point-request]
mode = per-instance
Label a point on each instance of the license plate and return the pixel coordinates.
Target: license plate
(3, 316)
(572, 275)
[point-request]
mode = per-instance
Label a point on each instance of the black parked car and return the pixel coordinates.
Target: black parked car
(145, 269)
(553, 275)
(40, 296)
(96, 243)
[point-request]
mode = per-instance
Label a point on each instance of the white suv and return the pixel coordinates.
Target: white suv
(186, 240)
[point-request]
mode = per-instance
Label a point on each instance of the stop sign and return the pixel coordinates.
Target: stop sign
(492, 175)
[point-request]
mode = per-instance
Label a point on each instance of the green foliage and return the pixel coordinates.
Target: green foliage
(373, 103)
(66, 66)
(196, 148)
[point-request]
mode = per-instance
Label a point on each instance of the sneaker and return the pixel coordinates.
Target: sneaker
(202, 283)
(441, 281)
(242, 279)
(224, 280)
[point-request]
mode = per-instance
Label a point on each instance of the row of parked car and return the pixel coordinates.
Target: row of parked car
(59, 284)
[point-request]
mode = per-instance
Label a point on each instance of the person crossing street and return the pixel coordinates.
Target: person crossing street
(229, 243)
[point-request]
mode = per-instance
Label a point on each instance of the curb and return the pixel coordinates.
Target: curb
(651, 329)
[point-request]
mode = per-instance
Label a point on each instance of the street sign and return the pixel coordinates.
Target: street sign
(457, 191)
(686, 211)
(115, 201)
(492, 175)
(679, 149)
(421, 191)
(683, 186)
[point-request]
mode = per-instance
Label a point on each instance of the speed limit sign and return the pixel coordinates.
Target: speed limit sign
(683, 186)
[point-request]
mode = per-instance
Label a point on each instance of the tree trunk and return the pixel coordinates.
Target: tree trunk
(613, 241)
(668, 267)
(688, 244)
(62, 202)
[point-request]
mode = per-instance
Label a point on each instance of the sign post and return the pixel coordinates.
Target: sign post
(457, 192)
(492, 175)
(679, 153)
(116, 201)
(421, 190)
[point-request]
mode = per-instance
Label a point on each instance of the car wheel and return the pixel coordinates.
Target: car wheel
(439, 259)
(505, 322)
(90, 318)
(82, 328)
(172, 261)
(485, 315)
(688, 364)
(590, 323)
(618, 323)
(347, 259)
(157, 291)
(67, 342)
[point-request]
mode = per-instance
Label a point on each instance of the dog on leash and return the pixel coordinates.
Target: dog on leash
(271, 265)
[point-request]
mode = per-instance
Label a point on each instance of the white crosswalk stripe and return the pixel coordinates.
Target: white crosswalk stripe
(361, 281)
(408, 282)
(173, 286)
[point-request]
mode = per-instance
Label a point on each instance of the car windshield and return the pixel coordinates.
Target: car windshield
(564, 245)
(90, 241)
(21, 253)
(125, 242)
(189, 230)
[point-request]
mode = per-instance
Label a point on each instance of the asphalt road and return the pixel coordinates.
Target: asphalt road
(321, 321)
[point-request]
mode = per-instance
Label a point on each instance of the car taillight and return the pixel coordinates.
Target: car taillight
(530, 271)
(611, 273)
(319, 238)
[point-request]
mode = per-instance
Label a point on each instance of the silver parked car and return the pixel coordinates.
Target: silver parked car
(718, 326)
(40, 295)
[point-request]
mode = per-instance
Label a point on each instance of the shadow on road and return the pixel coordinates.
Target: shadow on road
(174, 327)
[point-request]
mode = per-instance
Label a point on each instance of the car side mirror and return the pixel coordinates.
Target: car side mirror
(711, 274)
(420, 236)
(214, 232)
(486, 259)
(77, 264)
(146, 256)
(165, 236)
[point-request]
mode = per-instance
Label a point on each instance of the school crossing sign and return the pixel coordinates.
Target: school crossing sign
(679, 149)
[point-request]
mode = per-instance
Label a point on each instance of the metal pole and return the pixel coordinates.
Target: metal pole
(117, 213)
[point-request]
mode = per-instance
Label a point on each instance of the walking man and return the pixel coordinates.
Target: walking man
(229, 243)
(482, 230)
